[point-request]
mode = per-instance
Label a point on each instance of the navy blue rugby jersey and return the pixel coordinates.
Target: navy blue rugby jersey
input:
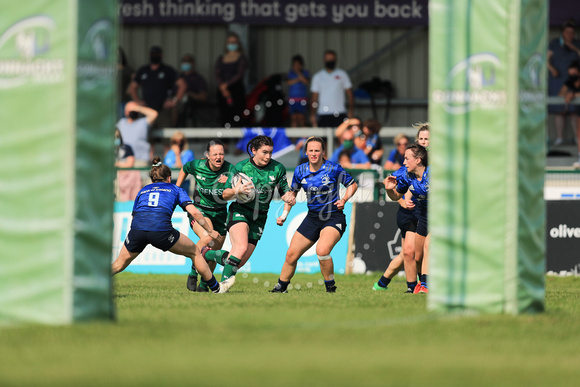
(321, 187)
(154, 206)
(408, 181)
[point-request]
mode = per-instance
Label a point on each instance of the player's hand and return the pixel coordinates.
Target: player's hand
(409, 204)
(214, 235)
(222, 179)
(390, 182)
(280, 221)
(289, 198)
(340, 204)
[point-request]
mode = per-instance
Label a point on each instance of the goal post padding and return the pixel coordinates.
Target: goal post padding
(57, 81)
(487, 155)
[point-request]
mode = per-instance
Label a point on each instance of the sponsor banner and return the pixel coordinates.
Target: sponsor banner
(563, 236)
(298, 12)
(56, 268)
(487, 109)
(277, 12)
(268, 256)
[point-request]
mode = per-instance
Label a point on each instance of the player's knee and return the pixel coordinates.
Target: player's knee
(324, 257)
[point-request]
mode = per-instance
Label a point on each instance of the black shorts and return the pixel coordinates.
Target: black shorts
(137, 240)
(421, 214)
(312, 225)
(406, 221)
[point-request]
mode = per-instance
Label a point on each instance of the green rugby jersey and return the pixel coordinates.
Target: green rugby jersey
(208, 191)
(266, 180)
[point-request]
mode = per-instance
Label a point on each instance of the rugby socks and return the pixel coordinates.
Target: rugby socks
(423, 280)
(193, 271)
(411, 286)
(213, 285)
(329, 284)
(231, 267)
(203, 284)
(384, 281)
(218, 256)
(283, 284)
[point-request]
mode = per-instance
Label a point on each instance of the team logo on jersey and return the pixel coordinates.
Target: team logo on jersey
(325, 179)
(171, 238)
(339, 226)
(303, 182)
(260, 231)
(240, 215)
(200, 177)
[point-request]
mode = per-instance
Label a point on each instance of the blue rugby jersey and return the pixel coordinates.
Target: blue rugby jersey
(321, 187)
(408, 181)
(154, 206)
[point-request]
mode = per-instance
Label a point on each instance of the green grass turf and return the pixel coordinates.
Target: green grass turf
(165, 335)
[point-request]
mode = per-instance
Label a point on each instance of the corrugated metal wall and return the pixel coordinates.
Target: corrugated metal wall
(271, 47)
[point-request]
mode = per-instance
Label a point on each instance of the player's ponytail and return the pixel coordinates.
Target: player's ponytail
(159, 171)
(258, 142)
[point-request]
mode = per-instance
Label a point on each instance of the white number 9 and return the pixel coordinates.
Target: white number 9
(153, 199)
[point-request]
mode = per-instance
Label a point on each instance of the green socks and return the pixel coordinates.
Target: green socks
(218, 256)
(231, 267)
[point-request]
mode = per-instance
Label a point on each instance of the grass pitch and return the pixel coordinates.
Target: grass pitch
(165, 335)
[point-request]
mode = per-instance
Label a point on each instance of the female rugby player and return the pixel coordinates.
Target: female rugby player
(151, 224)
(325, 221)
(246, 221)
(210, 175)
(417, 178)
(407, 223)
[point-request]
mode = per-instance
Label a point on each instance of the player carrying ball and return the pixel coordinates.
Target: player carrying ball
(246, 221)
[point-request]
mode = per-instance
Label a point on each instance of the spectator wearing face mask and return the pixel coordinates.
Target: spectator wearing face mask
(134, 129)
(358, 158)
(329, 87)
(191, 93)
(230, 68)
(153, 86)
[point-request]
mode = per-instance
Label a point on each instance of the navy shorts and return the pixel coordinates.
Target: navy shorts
(137, 240)
(406, 221)
(312, 225)
(421, 214)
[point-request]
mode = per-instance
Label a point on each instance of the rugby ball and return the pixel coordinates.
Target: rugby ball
(242, 197)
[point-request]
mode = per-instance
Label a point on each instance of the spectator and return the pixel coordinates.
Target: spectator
(328, 88)
(570, 91)
(373, 146)
(191, 93)
(397, 155)
(298, 80)
(353, 123)
(129, 182)
(178, 147)
(357, 156)
(124, 74)
(135, 130)
(230, 69)
(562, 51)
(344, 159)
(156, 82)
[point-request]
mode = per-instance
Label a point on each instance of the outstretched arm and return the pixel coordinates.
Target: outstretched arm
(198, 216)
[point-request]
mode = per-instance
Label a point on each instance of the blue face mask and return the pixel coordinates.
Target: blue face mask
(117, 141)
(232, 47)
(185, 66)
